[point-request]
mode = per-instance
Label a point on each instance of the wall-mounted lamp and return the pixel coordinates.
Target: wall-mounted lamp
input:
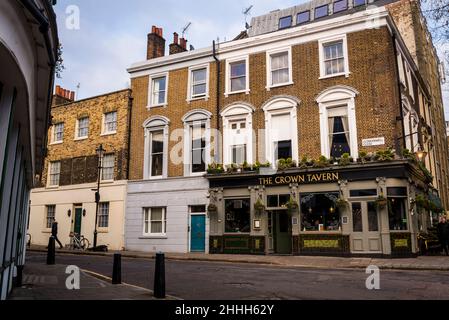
(84, 212)
(69, 213)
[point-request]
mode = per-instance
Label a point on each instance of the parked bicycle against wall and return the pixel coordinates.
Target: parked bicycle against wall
(78, 242)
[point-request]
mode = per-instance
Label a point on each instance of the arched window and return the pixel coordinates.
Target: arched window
(281, 126)
(338, 124)
(156, 148)
(197, 138)
(238, 133)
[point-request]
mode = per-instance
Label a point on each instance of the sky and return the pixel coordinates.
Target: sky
(112, 35)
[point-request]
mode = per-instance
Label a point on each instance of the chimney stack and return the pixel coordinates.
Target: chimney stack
(63, 96)
(175, 47)
(156, 43)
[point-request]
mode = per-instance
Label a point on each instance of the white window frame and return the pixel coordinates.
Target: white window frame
(321, 44)
(104, 127)
(164, 222)
(196, 118)
(53, 133)
(153, 77)
(410, 81)
(281, 106)
(228, 75)
(77, 127)
(47, 217)
(242, 112)
(190, 96)
(156, 123)
(102, 215)
(49, 184)
(113, 168)
(269, 54)
(338, 96)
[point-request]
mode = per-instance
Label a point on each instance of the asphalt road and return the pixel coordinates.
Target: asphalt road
(191, 280)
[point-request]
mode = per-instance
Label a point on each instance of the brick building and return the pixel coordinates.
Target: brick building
(315, 132)
(67, 187)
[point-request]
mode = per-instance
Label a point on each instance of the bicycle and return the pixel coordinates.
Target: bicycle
(79, 242)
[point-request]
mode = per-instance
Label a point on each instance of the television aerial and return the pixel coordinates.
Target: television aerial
(186, 28)
(247, 12)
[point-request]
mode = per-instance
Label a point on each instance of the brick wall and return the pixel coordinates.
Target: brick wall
(373, 74)
(78, 158)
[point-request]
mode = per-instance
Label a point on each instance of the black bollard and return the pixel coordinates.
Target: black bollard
(51, 253)
(19, 277)
(159, 276)
(117, 269)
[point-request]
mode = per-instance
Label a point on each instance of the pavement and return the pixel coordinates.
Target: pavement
(43, 282)
(428, 263)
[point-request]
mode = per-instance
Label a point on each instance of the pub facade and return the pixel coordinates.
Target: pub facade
(313, 132)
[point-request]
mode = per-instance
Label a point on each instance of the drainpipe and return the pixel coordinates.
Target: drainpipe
(130, 104)
(218, 65)
(395, 50)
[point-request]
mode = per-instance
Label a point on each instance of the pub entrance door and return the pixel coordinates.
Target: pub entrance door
(366, 237)
(282, 232)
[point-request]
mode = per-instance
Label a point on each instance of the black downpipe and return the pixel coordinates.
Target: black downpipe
(218, 64)
(130, 108)
(395, 50)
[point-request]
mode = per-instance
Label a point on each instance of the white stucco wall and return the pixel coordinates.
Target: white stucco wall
(65, 199)
(176, 195)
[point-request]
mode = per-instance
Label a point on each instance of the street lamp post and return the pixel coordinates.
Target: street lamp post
(100, 153)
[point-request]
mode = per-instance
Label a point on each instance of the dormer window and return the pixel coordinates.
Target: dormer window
(303, 17)
(341, 5)
(321, 12)
(285, 22)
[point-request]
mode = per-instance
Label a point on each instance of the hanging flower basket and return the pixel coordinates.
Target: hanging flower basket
(259, 206)
(212, 208)
(292, 205)
(381, 202)
(342, 203)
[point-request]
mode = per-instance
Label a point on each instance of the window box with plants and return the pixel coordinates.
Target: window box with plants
(215, 168)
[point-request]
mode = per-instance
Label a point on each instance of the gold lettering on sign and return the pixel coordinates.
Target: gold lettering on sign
(301, 179)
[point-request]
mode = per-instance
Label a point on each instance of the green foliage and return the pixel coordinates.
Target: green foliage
(385, 155)
(345, 159)
(322, 162)
(215, 168)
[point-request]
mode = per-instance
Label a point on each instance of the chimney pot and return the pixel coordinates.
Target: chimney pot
(58, 90)
(153, 29)
(176, 38)
(72, 95)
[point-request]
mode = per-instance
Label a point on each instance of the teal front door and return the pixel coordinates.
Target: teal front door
(78, 219)
(198, 233)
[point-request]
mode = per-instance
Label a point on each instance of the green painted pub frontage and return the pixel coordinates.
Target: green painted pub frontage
(371, 209)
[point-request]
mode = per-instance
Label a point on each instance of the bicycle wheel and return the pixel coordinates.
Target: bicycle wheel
(85, 244)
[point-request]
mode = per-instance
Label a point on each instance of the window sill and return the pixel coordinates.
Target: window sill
(227, 94)
(108, 134)
(52, 187)
(197, 174)
(56, 143)
(46, 231)
(157, 106)
(280, 85)
(153, 237)
(346, 74)
(107, 181)
(205, 98)
(155, 178)
(103, 230)
(81, 138)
